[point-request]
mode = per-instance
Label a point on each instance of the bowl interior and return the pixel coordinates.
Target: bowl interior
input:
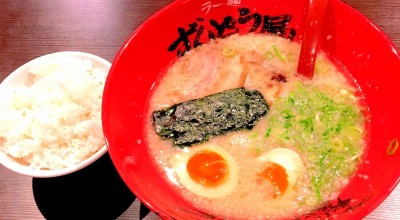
(18, 78)
(349, 38)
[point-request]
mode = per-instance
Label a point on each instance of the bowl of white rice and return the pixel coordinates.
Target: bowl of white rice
(50, 114)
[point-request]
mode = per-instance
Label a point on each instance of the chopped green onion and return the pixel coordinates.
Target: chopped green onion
(327, 132)
(321, 66)
(392, 148)
(287, 124)
(269, 55)
(268, 132)
(253, 135)
(307, 124)
(228, 52)
(317, 180)
(287, 113)
(278, 53)
(321, 161)
(317, 186)
(337, 145)
(327, 127)
(258, 150)
(353, 133)
(291, 100)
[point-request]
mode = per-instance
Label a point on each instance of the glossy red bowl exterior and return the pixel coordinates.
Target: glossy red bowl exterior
(349, 38)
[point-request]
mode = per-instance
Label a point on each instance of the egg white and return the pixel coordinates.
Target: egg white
(288, 159)
(181, 159)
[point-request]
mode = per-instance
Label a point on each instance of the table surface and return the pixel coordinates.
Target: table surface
(29, 29)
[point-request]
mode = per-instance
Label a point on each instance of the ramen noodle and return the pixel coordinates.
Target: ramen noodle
(295, 158)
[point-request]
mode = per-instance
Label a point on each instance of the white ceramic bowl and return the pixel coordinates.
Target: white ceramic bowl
(18, 78)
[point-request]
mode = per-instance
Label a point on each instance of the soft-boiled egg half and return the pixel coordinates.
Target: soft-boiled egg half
(206, 170)
(282, 168)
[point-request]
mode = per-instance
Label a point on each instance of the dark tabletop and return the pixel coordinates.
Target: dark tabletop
(29, 29)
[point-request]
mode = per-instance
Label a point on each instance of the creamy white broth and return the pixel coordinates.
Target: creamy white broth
(256, 62)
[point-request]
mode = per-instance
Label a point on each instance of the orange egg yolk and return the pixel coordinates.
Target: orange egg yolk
(207, 168)
(278, 177)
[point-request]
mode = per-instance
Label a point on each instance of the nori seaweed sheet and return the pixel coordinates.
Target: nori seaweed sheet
(193, 121)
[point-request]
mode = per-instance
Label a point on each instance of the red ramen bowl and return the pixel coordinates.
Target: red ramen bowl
(349, 38)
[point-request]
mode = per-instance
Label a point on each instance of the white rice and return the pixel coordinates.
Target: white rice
(54, 121)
